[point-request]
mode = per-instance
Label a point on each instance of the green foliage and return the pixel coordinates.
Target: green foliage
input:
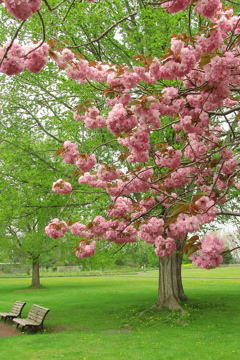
(228, 258)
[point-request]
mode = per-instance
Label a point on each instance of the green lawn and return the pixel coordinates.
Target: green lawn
(102, 318)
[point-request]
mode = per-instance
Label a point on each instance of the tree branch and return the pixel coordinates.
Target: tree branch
(105, 32)
(230, 213)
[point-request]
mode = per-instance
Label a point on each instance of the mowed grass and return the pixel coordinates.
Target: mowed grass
(110, 318)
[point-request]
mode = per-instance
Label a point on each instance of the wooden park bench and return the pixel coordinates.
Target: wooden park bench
(34, 320)
(14, 312)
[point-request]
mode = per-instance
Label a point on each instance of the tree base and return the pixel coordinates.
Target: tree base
(170, 290)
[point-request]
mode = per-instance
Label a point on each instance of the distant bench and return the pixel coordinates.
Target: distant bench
(35, 318)
(14, 312)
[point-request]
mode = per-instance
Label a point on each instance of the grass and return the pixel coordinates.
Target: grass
(105, 318)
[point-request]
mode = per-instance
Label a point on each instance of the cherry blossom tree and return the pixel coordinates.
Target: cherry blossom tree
(175, 125)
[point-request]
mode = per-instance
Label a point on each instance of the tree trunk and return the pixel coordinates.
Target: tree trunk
(35, 272)
(170, 288)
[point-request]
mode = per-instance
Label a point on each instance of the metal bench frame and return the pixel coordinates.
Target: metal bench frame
(34, 320)
(14, 312)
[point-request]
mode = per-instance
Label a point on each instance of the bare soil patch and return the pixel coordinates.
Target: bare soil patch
(8, 330)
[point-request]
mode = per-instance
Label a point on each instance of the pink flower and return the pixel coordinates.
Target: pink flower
(22, 9)
(175, 5)
(69, 153)
(14, 62)
(56, 228)
(78, 229)
(164, 247)
(61, 187)
(209, 252)
(85, 162)
(120, 121)
(204, 203)
(86, 249)
(36, 59)
(169, 157)
(108, 173)
(229, 166)
(207, 8)
(150, 230)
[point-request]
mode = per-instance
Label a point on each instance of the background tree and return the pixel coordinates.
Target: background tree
(204, 158)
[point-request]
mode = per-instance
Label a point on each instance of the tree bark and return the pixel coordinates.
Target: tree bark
(35, 272)
(170, 288)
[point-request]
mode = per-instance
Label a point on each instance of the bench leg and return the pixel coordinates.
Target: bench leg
(23, 327)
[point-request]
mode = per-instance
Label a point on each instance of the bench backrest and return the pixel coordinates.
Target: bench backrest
(37, 314)
(17, 308)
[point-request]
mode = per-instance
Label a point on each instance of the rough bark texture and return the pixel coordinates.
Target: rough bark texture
(35, 273)
(170, 290)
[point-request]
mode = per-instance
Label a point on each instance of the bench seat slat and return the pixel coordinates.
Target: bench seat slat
(35, 317)
(15, 311)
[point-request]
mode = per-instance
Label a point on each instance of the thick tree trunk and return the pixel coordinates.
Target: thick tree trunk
(170, 289)
(35, 273)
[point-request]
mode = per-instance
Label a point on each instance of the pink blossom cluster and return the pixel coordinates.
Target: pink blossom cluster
(56, 228)
(69, 152)
(207, 8)
(61, 187)
(183, 225)
(16, 58)
(85, 249)
(204, 203)
(108, 173)
(169, 157)
(91, 118)
(111, 230)
(175, 5)
(182, 61)
(123, 206)
(209, 252)
(85, 162)
(196, 121)
(79, 229)
(179, 177)
(150, 230)
(138, 143)
(64, 58)
(137, 182)
(229, 166)
(164, 246)
(148, 202)
(22, 9)
(120, 121)
(120, 207)
(147, 112)
(92, 181)
(205, 212)
(81, 70)
(125, 233)
(196, 149)
(129, 79)
(167, 200)
(36, 58)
